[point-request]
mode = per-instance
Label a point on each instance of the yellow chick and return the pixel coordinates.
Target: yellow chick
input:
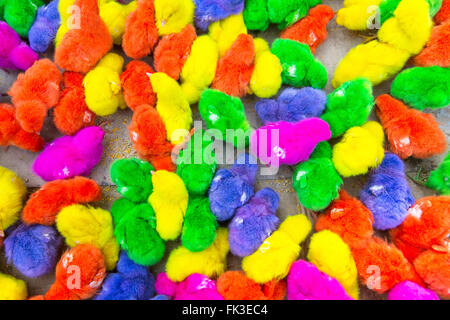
(211, 262)
(172, 106)
(170, 201)
(410, 27)
(266, 77)
(360, 149)
(115, 14)
(12, 194)
(199, 69)
(173, 15)
(358, 14)
(102, 86)
(12, 288)
(331, 255)
(374, 60)
(80, 224)
(400, 37)
(226, 31)
(274, 257)
(69, 18)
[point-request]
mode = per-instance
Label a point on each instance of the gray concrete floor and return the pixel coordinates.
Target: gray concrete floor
(118, 145)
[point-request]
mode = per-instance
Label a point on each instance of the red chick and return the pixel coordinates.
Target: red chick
(141, 34)
(81, 48)
(72, 114)
(235, 68)
(311, 30)
(410, 132)
(173, 50)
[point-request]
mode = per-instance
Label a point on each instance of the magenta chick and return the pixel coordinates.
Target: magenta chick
(288, 143)
(71, 156)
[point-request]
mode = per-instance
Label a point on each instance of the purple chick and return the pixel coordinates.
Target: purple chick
(253, 223)
(209, 11)
(408, 290)
(292, 105)
(33, 249)
(306, 282)
(14, 54)
(131, 282)
(387, 194)
(68, 156)
(232, 188)
(45, 26)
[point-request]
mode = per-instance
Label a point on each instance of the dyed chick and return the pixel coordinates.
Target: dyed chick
(408, 290)
(226, 31)
(20, 14)
(172, 106)
(387, 193)
(306, 282)
(68, 157)
(89, 262)
(211, 262)
(173, 50)
(133, 178)
(136, 88)
(295, 142)
(173, 15)
(141, 34)
(209, 11)
(434, 268)
(170, 201)
(348, 106)
(359, 150)
(12, 195)
(235, 68)
(274, 257)
(34, 93)
(44, 205)
(12, 134)
(426, 227)
(423, 87)
(253, 223)
(14, 54)
(82, 47)
(200, 225)
(130, 282)
(135, 231)
(149, 135)
(33, 250)
(411, 133)
(115, 14)
(194, 287)
(300, 68)
(103, 88)
(266, 77)
(196, 169)
(72, 114)
(42, 33)
(316, 180)
(292, 105)
(80, 224)
(200, 68)
(12, 288)
(311, 30)
(235, 285)
(331, 255)
(349, 218)
(232, 188)
(439, 178)
(222, 112)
